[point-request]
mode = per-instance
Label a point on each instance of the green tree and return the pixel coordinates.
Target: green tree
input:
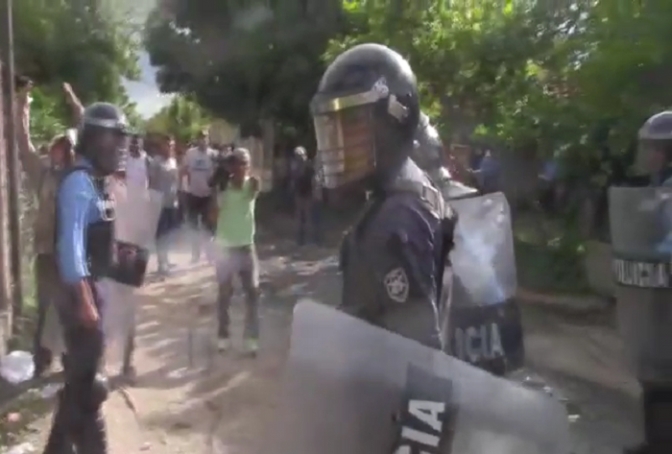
(246, 62)
(80, 42)
(182, 119)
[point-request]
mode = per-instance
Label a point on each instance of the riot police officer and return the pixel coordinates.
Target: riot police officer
(84, 244)
(641, 231)
(393, 258)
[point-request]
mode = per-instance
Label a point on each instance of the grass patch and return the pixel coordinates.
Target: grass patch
(549, 256)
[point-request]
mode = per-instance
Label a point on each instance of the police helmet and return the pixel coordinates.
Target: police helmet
(427, 146)
(105, 116)
(366, 110)
(655, 136)
(102, 117)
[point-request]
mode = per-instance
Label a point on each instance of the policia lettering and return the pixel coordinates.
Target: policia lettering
(426, 415)
(643, 274)
(476, 344)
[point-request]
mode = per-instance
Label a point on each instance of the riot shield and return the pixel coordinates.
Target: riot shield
(641, 233)
(485, 325)
(137, 216)
(351, 387)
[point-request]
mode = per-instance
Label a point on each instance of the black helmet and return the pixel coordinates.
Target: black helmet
(655, 135)
(427, 145)
(428, 154)
(102, 118)
(366, 112)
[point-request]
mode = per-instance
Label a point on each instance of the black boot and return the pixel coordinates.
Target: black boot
(59, 441)
(42, 360)
(92, 436)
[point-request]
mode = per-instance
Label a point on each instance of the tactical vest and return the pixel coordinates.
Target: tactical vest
(361, 284)
(99, 235)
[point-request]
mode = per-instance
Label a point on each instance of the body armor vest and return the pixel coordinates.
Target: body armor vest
(362, 284)
(100, 234)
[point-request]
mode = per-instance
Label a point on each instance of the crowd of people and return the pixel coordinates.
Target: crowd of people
(208, 199)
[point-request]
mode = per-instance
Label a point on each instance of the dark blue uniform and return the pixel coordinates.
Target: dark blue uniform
(393, 259)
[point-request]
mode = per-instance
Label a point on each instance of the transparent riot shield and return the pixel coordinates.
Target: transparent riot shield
(485, 326)
(136, 220)
(641, 233)
(351, 387)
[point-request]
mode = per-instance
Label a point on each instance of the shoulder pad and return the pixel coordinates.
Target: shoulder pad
(428, 194)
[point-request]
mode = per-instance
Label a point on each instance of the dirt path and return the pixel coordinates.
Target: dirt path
(203, 402)
(220, 404)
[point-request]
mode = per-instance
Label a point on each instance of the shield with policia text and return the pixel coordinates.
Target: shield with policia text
(137, 212)
(485, 324)
(351, 387)
(641, 233)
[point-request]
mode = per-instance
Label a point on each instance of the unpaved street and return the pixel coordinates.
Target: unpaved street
(220, 404)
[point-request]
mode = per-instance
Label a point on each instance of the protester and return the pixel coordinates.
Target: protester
(305, 192)
(237, 253)
(488, 173)
(138, 164)
(167, 183)
(43, 177)
(182, 191)
(199, 166)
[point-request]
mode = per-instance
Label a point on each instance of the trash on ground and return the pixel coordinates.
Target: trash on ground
(50, 390)
(17, 367)
(23, 448)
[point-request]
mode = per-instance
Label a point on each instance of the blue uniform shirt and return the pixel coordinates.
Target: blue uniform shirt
(78, 205)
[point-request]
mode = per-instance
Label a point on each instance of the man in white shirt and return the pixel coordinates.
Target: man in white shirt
(137, 164)
(199, 166)
(167, 182)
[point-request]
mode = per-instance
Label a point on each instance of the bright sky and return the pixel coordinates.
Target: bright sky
(145, 92)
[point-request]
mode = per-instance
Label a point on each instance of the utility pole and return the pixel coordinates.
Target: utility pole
(12, 157)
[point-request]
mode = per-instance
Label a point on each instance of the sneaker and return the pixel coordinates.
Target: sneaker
(223, 345)
(251, 346)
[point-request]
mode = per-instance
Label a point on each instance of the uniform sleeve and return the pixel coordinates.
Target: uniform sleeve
(75, 197)
(409, 234)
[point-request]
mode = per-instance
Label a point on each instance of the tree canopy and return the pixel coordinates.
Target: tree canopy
(573, 80)
(245, 61)
(182, 119)
(81, 42)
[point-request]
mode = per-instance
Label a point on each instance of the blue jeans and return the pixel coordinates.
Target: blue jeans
(167, 223)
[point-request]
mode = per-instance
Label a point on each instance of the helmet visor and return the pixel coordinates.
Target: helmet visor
(345, 145)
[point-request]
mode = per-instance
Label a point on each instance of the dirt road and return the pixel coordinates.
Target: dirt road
(220, 404)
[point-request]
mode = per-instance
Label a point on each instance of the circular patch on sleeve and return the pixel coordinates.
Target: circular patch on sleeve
(397, 285)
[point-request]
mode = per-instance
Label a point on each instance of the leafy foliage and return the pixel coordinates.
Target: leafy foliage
(245, 62)
(80, 42)
(573, 80)
(182, 119)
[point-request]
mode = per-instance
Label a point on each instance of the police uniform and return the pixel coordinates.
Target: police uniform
(86, 252)
(642, 276)
(393, 258)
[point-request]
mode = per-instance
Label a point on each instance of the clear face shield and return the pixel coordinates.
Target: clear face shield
(345, 138)
(651, 156)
